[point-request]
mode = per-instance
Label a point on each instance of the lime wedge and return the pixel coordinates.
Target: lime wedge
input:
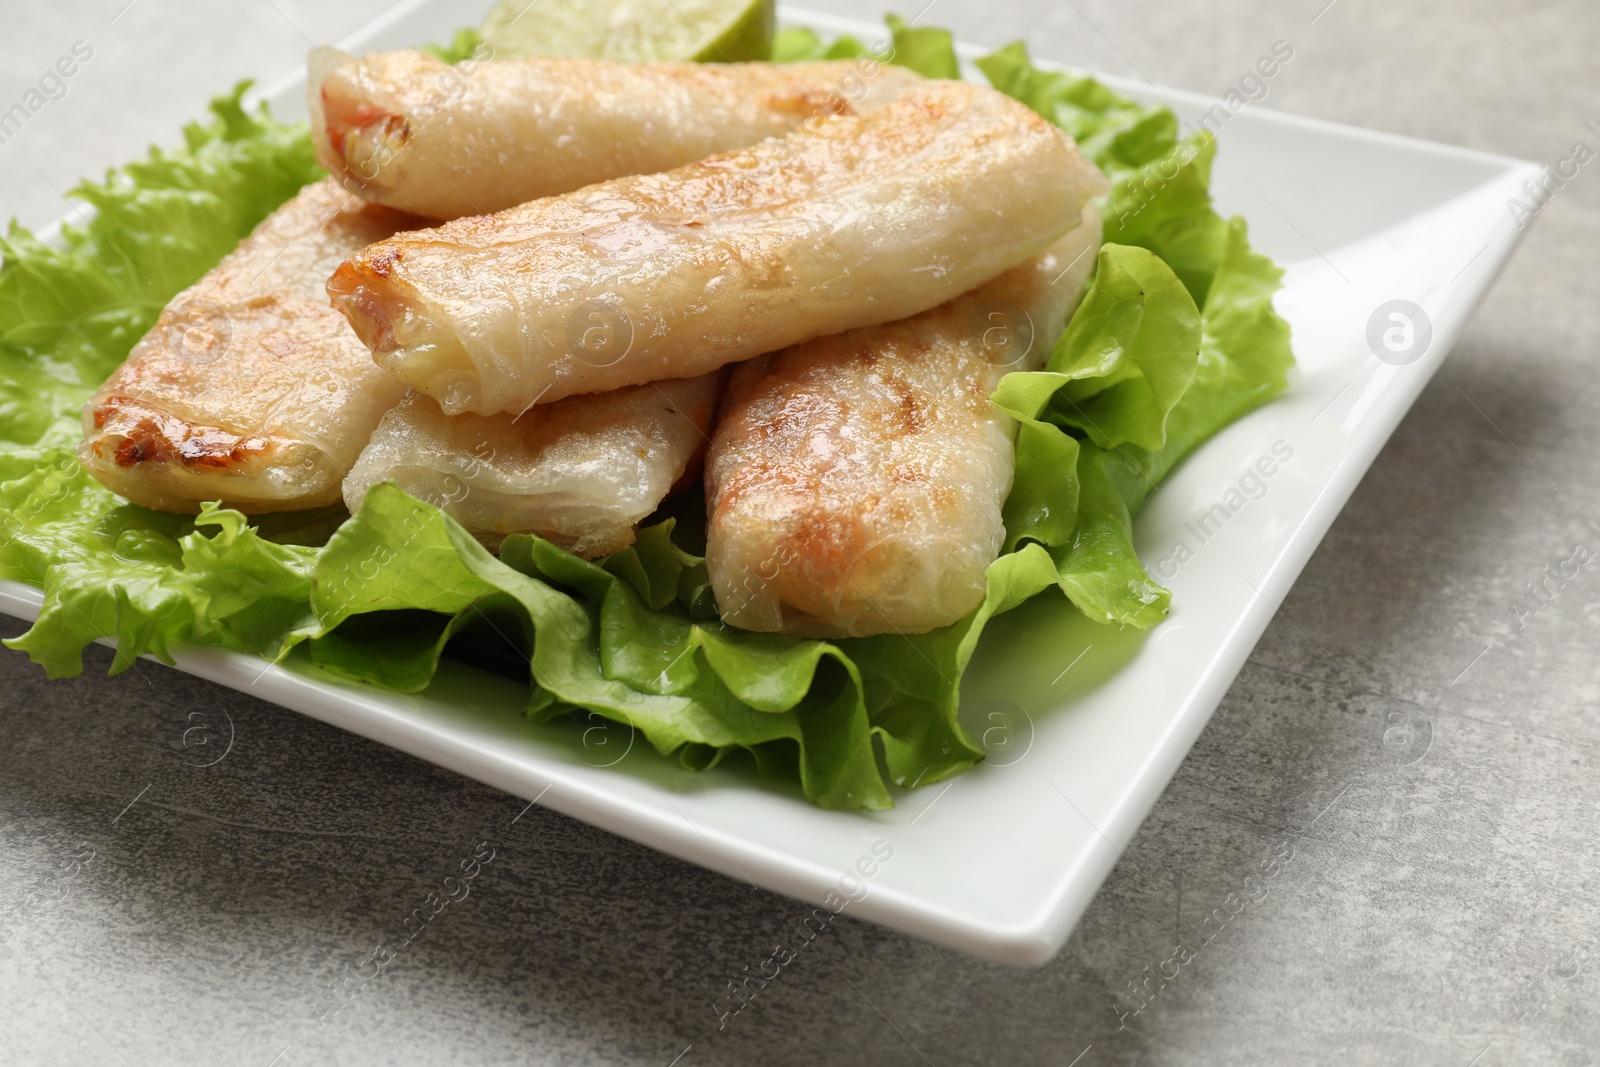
(726, 31)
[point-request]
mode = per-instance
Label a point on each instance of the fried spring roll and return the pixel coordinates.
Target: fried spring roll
(250, 388)
(581, 473)
(410, 131)
(855, 483)
(859, 220)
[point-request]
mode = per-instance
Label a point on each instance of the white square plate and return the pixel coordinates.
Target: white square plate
(1085, 724)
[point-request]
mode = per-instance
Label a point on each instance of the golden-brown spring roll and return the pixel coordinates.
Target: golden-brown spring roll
(250, 388)
(410, 131)
(855, 482)
(580, 473)
(859, 220)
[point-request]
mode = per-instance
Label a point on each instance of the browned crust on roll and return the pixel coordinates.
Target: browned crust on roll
(135, 434)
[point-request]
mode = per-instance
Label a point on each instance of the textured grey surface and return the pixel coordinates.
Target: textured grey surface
(1436, 902)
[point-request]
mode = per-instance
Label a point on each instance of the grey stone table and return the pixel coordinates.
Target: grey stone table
(1438, 912)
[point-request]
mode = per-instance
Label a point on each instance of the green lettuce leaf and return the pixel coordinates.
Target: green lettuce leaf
(927, 50)
(1160, 182)
(462, 47)
(1117, 134)
(594, 642)
(1242, 361)
(151, 580)
(795, 44)
(1098, 569)
(1140, 378)
(1127, 358)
